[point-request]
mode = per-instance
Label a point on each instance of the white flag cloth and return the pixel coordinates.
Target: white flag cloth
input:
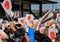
(11, 13)
(5, 24)
(0, 40)
(4, 27)
(2, 34)
(48, 16)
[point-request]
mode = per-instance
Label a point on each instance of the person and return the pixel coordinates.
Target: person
(9, 32)
(31, 32)
(19, 32)
(41, 37)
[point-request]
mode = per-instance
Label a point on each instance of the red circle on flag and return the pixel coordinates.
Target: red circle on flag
(7, 5)
(17, 14)
(42, 30)
(29, 17)
(1, 35)
(22, 21)
(52, 35)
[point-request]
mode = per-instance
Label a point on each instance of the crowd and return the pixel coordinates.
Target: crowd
(28, 33)
(17, 33)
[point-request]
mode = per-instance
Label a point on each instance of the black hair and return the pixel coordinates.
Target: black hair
(20, 32)
(16, 19)
(41, 37)
(19, 25)
(1, 0)
(47, 26)
(47, 39)
(38, 36)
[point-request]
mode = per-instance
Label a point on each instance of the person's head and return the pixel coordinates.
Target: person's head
(37, 35)
(18, 25)
(22, 31)
(47, 26)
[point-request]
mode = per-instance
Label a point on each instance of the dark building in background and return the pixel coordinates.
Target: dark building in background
(24, 6)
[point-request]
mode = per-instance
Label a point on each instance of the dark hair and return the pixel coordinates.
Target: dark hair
(47, 39)
(38, 36)
(8, 31)
(16, 19)
(20, 32)
(19, 25)
(58, 36)
(41, 37)
(47, 26)
(1, 0)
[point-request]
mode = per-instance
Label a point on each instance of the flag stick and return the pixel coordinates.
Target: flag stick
(7, 16)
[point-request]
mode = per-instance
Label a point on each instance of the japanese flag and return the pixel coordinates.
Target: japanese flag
(16, 15)
(42, 29)
(29, 19)
(48, 17)
(21, 20)
(52, 32)
(6, 5)
(11, 14)
(5, 24)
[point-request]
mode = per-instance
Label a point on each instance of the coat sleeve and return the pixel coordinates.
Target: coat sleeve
(31, 34)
